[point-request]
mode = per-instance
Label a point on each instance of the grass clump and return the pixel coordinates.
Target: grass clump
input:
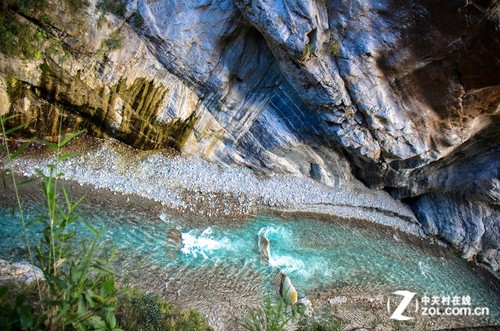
(270, 316)
(310, 324)
(277, 315)
(146, 311)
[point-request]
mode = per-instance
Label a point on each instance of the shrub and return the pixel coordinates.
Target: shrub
(139, 311)
(115, 41)
(79, 290)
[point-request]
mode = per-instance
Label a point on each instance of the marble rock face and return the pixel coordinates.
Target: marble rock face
(402, 95)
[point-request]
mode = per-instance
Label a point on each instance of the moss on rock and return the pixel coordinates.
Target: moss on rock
(127, 112)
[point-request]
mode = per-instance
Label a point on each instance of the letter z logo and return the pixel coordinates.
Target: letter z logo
(398, 313)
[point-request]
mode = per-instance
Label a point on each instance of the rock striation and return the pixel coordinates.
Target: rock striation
(402, 95)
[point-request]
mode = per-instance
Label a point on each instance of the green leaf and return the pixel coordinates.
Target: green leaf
(89, 296)
(8, 118)
(76, 275)
(26, 181)
(82, 306)
(14, 129)
(58, 281)
(66, 156)
(108, 288)
(91, 228)
(53, 147)
(26, 317)
(111, 319)
(70, 137)
(97, 322)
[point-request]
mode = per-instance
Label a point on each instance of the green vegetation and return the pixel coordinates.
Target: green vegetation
(307, 52)
(17, 37)
(24, 26)
(114, 7)
(114, 42)
(15, 313)
(334, 47)
(276, 315)
(23, 6)
(136, 20)
(140, 311)
(270, 316)
(79, 289)
(77, 4)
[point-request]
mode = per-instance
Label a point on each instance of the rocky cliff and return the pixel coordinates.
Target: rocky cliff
(403, 95)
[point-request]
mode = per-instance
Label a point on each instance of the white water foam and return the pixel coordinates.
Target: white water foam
(281, 236)
(203, 244)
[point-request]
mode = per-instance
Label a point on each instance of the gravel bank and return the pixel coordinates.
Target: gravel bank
(190, 184)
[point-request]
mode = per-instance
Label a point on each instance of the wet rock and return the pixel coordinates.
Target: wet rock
(287, 290)
(308, 307)
(264, 247)
(174, 239)
(471, 226)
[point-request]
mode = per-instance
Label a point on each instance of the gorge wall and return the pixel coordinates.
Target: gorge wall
(402, 95)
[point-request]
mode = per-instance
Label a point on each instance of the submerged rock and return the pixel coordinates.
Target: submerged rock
(174, 239)
(264, 247)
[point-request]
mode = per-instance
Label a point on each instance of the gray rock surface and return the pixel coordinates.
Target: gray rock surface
(21, 271)
(404, 95)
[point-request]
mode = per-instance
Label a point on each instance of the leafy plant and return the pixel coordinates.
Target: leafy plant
(136, 20)
(80, 287)
(79, 290)
(16, 314)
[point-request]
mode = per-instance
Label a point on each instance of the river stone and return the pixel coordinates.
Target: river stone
(19, 271)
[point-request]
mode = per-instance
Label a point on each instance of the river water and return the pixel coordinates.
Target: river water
(219, 266)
